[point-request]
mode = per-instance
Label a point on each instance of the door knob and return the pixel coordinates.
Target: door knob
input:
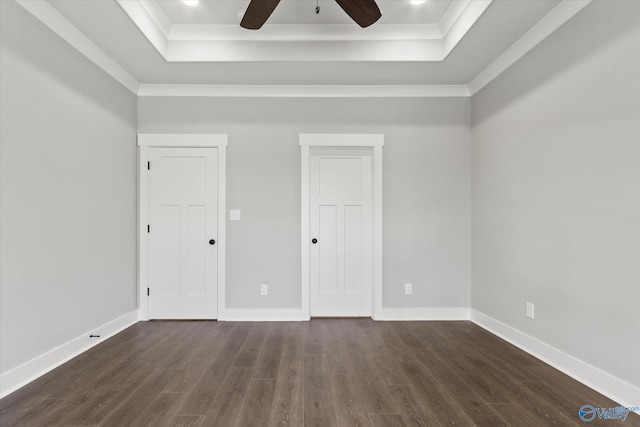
(212, 242)
(314, 241)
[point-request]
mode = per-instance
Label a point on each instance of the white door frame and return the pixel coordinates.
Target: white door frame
(375, 142)
(146, 141)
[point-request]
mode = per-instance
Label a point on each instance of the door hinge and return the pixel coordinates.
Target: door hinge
(148, 228)
(147, 291)
(148, 165)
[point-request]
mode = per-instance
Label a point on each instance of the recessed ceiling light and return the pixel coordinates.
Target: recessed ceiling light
(417, 1)
(190, 2)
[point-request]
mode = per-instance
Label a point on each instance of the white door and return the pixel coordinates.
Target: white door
(183, 194)
(341, 232)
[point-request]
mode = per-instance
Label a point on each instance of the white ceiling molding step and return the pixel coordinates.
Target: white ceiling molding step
(43, 11)
(547, 25)
(457, 29)
(310, 91)
(151, 29)
(291, 42)
(305, 33)
(152, 21)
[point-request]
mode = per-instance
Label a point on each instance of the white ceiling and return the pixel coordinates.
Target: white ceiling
(438, 43)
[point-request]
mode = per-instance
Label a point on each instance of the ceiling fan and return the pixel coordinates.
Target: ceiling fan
(363, 12)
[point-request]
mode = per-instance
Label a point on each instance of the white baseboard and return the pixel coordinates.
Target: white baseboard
(20, 376)
(388, 314)
(425, 313)
(614, 388)
(262, 315)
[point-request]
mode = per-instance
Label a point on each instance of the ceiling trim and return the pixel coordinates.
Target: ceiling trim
(317, 43)
(304, 33)
(459, 28)
(50, 17)
(306, 91)
(547, 25)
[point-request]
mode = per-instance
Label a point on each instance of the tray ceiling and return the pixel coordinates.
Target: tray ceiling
(209, 31)
(460, 44)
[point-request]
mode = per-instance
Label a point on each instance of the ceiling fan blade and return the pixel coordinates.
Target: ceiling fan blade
(364, 12)
(257, 13)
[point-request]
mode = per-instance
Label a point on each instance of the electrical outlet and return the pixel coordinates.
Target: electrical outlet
(264, 290)
(530, 310)
(408, 289)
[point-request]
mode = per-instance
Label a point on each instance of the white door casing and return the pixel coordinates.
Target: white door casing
(182, 202)
(340, 184)
(347, 143)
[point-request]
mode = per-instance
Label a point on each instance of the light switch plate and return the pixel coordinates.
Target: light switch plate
(408, 288)
(234, 215)
(530, 310)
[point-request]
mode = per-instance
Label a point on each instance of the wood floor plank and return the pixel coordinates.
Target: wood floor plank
(115, 382)
(413, 409)
(288, 408)
(348, 404)
(159, 411)
(256, 406)
(479, 377)
(466, 398)
(375, 394)
(269, 359)
(336, 351)
(33, 414)
(485, 375)
(390, 371)
(226, 405)
(442, 403)
(90, 406)
(186, 421)
(387, 420)
(199, 399)
(318, 401)
(139, 400)
(515, 415)
(248, 354)
(200, 356)
(569, 400)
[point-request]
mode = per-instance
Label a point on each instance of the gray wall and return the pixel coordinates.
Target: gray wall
(556, 190)
(68, 192)
(426, 189)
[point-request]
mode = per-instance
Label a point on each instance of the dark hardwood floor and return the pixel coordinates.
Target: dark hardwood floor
(327, 372)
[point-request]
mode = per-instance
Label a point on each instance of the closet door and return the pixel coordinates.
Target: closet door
(341, 232)
(183, 194)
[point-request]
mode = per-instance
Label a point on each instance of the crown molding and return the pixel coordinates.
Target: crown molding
(314, 43)
(304, 33)
(44, 12)
(50, 17)
(547, 25)
(146, 23)
(467, 18)
(307, 91)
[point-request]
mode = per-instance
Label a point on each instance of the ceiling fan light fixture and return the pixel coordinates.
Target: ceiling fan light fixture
(191, 2)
